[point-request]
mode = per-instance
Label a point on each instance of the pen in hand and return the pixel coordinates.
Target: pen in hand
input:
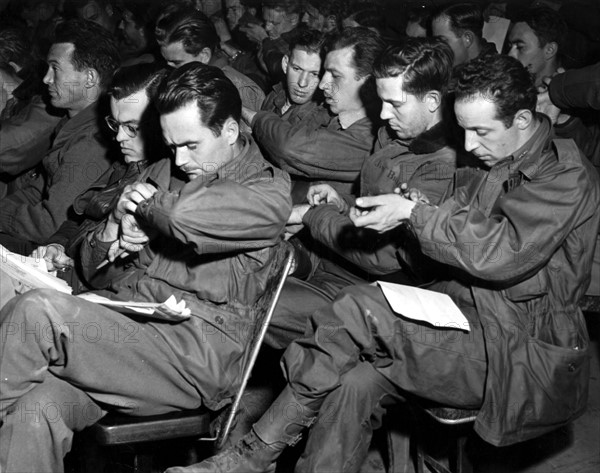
(107, 261)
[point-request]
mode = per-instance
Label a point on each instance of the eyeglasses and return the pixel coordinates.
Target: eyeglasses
(130, 130)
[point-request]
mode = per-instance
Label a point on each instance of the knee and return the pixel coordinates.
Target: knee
(29, 313)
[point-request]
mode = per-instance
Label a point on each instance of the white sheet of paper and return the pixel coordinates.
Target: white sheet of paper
(31, 273)
(435, 308)
(141, 307)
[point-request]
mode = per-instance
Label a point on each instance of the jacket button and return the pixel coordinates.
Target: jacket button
(571, 367)
(219, 319)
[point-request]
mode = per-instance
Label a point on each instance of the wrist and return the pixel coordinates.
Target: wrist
(110, 232)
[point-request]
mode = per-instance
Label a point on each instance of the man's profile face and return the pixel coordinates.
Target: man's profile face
(339, 83)
(277, 22)
(313, 18)
(234, 12)
(128, 111)
(196, 149)
(485, 135)
(208, 7)
(406, 114)
(134, 37)
(175, 54)
(92, 11)
(525, 47)
(67, 86)
(441, 27)
(302, 75)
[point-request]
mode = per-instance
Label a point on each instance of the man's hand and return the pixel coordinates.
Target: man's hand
(382, 212)
(221, 28)
(132, 240)
(325, 194)
(54, 256)
(413, 193)
(130, 198)
(255, 33)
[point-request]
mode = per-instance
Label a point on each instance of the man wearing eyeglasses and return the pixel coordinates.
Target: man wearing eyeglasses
(80, 63)
(137, 131)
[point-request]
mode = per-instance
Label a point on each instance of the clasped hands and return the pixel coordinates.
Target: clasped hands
(131, 237)
(380, 213)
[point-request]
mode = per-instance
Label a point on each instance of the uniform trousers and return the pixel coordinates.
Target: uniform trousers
(65, 361)
(360, 352)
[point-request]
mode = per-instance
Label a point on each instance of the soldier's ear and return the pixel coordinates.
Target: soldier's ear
(204, 56)
(468, 38)
(523, 119)
(92, 78)
(231, 129)
(284, 62)
(294, 19)
(433, 98)
(550, 50)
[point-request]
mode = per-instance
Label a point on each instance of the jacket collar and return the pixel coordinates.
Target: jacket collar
(280, 95)
(347, 119)
(248, 157)
(431, 140)
(89, 115)
(428, 142)
(526, 159)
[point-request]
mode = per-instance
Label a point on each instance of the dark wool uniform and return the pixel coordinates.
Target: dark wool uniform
(520, 238)
(214, 240)
(78, 156)
(350, 256)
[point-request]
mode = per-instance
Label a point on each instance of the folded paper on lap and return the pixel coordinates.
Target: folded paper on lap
(435, 308)
(31, 273)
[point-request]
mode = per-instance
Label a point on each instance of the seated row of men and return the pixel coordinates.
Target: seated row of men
(510, 238)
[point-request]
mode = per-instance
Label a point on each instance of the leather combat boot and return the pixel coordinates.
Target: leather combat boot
(257, 451)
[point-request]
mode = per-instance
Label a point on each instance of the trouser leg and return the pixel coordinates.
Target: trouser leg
(8, 288)
(38, 429)
(117, 362)
(340, 439)
(442, 365)
(299, 300)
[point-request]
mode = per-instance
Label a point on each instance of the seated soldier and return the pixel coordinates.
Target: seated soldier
(205, 227)
(536, 39)
(81, 62)
(136, 30)
(461, 26)
(241, 51)
(185, 35)
(577, 92)
(298, 99)
(333, 152)
(98, 11)
(416, 150)
(281, 22)
(28, 120)
(325, 17)
(136, 128)
(520, 235)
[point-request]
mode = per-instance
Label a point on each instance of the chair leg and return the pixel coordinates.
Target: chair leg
(462, 460)
(398, 444)
(142, 462)
(419, 457)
